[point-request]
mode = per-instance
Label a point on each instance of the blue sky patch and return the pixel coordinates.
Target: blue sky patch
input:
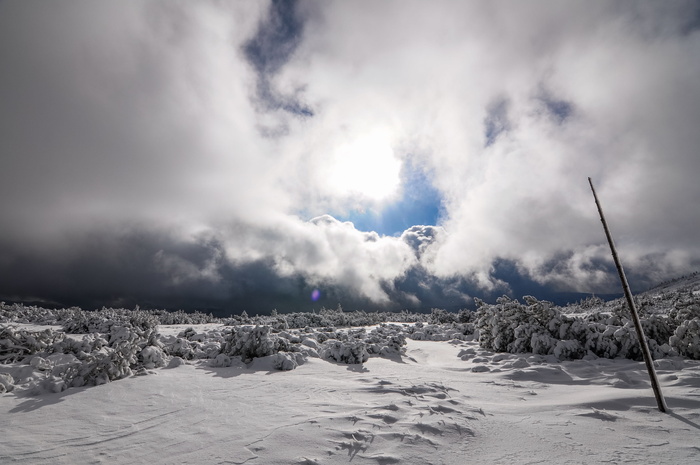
(419, 204)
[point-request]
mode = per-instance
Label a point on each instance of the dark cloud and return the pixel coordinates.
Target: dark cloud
(102, 268)
(558, 109)
(496, 121)
(156, 269)
(272, 46)
(276, 39)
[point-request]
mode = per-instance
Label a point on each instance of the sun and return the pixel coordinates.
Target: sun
(366, 167)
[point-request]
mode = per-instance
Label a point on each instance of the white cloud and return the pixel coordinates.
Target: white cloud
(429, 75)
(327, 252)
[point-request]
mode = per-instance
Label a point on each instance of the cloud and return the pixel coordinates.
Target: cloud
(540, 97)
(190, 149)
(139, 112)
(273, 45)
(330, 253)
(256, 269)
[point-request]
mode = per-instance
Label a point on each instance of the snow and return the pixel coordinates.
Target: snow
(511, 383)
(439, 402)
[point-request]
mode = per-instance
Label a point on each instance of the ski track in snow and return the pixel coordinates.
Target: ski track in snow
(442, 403)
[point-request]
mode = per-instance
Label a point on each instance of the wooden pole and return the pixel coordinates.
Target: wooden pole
(660, 401)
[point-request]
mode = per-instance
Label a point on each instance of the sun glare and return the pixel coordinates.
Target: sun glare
(366, 167)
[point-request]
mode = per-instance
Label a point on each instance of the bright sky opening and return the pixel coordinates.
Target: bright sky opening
(366, 167)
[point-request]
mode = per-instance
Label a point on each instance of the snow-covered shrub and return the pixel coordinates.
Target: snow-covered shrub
(440, 332)
(328, 333)
(152, 357)
(180, 317)
(17, 344)
(208, 349)
(60, 364)
(309, 342)
(143, 320)
(179, 347)
(250, 342)
(658, 327)
(326, 318)
(590, 302)
(686, 339)
(279, 324)
(83, 322)
(187, 333)
(118, 334)
(20, 313)
(441, 316)
(176, 362)
(103, 360)
(466, 316)
(7, 383)
(286, 360)
(430, 332)
(497, 325)
(89, 343)
(684, 310)
(189, 344)
(541, 328)
(386, 340)
(100, 368)
(108, 364)
(539, 342)
(78, 321)
(39, 363)
(221, 360)
(628, 342)
(600, 341)
(294, 337)
(568, 350)
(353, 352)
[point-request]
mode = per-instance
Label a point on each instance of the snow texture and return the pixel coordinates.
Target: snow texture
(562, 384)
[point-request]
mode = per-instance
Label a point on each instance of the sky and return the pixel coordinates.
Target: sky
(230, 156)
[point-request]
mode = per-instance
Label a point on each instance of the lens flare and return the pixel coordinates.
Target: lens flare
(315, 295)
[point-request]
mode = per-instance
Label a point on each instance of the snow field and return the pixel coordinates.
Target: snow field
(429, 406)
(511, 383)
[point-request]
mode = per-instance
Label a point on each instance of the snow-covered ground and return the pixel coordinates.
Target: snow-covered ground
(447, 402)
